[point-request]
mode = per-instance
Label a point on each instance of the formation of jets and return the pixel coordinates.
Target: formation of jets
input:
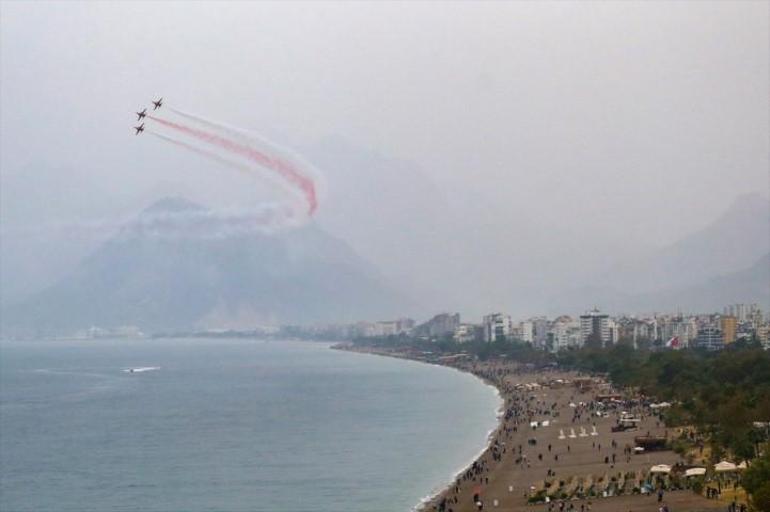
(141, 115)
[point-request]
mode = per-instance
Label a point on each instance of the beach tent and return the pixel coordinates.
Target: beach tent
(661, 468)
(695, 472)
(724, 466)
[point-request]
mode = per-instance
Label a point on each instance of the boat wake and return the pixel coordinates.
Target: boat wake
(141, 369)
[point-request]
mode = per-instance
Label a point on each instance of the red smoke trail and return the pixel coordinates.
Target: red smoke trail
(285, 169)
(247, 138)
(207, 154)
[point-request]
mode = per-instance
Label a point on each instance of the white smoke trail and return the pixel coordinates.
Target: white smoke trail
(208, 154)
(268, 218)
(247, 137)
(268, 162)
(296, 197)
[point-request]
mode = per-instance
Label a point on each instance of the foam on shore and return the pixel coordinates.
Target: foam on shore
(438, 490)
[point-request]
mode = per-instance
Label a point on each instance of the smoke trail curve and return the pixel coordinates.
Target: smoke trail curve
(250, 138)
(285, 169)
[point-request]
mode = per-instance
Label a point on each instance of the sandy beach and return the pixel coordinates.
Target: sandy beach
(569, 449)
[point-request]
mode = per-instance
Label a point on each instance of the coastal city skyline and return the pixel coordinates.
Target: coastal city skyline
(711, 331)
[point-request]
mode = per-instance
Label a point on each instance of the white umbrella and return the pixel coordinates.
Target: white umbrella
(695, 472)
(661, 468)
(742, 465)
(724, 466)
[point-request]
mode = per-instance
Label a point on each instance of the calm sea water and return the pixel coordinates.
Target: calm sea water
(229, 425)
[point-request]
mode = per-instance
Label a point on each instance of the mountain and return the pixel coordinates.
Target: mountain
(453, 251)
(732, 242)
(750, 285)
(745, 286)
(179, 266)
(726, 261)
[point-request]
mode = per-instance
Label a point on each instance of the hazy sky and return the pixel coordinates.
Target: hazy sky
(646, 118)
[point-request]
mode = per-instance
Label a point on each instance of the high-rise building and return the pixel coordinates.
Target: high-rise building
(743, 312)
(709, 338)
(497, 326)
(729, 325)
(565, 333)
(527, 330)
(542, 326)
(594, 324)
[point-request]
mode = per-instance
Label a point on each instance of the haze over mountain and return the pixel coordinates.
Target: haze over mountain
(725, 262)
(733, 241)
(163, 275)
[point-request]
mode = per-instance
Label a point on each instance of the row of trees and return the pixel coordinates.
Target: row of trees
(721, 393)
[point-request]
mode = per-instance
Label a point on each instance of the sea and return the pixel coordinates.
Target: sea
(230, 425)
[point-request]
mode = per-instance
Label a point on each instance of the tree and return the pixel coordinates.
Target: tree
(756, 481)
(757, 474)
(760, 499)
(594, 340)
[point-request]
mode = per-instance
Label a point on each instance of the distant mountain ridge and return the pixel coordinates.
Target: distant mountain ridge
(750, 285)
(727, 261)
(733, 242)
(141, 277)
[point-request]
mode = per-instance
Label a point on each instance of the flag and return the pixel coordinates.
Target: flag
(673, 342)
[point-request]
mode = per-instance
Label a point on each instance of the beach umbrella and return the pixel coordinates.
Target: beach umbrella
(661, 468)
(724, 466)
(695, 472)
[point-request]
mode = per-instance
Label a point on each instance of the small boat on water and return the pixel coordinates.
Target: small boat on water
(141, 369)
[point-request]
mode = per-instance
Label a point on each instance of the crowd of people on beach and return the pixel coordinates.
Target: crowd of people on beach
(536, 402)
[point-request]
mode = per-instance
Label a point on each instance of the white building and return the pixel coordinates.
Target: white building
(527, 330)
(565, 333)
(497, 326)
(465, 333)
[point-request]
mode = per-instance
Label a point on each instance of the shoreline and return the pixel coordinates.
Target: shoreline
(514, 472)
(443, 489)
